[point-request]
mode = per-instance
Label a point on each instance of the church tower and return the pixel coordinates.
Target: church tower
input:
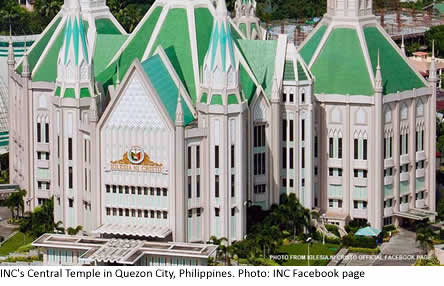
(223, 110)
(349, 8)
(246, 20)
(74, 118)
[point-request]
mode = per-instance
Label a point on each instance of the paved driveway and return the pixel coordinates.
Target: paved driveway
(401, 250)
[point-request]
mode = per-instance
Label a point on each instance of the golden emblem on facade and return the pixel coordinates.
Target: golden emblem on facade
(136, 160)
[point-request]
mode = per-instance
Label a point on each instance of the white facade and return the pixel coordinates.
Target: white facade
(145, 156)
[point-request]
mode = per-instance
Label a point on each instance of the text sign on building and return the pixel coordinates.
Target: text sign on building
(136, 160)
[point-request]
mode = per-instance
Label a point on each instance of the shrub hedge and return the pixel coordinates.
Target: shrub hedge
(364, 250)
(351, 240)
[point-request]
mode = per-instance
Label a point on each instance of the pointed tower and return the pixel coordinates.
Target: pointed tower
(11, 58)
(220, 79)
(246, 19)
(180, 234)
(402, 45)
(223, 108)
(350, 25)
(378, 202)
(75, 115)
(349, 8)
(433, 79)
(74, 66)
(276, 140)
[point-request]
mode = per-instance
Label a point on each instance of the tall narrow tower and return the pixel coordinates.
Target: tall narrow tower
(71, 134)
(224, 108)
(246, 20)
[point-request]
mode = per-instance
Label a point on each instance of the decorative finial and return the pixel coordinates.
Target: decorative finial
(11, 60)
(179, 111)
(402, 45)
(433, 49)
(25, 68)
(432, 68)
(221, 9)
(378, 77)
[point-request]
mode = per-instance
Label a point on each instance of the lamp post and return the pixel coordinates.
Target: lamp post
(308, 250)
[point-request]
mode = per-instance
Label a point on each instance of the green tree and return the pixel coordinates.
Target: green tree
(74, 231)
(15, 202)
(424, 235)
(40, 221)
(435, 33)
(47, 9)
(58, 227)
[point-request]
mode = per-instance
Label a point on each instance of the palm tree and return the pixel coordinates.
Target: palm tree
(220, 247)
(59, 227)
(424, 236)
(74, 231)
(16, 203)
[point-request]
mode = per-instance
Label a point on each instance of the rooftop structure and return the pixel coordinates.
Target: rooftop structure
(79, 250)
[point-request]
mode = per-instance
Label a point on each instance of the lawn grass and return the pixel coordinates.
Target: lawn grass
(14, 243)
(300, 249)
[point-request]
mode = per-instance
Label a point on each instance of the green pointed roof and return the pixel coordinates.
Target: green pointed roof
(261, 57)
(344, 65)
(174, 36)
(165, 87)
(340, 67)
(43, 55)
(396, 73)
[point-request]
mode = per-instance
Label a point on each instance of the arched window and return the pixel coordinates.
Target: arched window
(388, 115)
(419, 108)
(404, 111)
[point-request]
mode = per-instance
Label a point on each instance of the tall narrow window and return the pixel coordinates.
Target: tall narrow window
(340, 148)
(291, 159)
(303, 97)
(263, 163)
(401, 141)
(406, 143)
(303, 129)
(303, 157)
(356, 148)
(284, 130)
(216, 156)
(417, 141)
(330, 147)
(216, 186)
(316, 146)
(189, 187)
(385, 148)
(391, 147)
(198, 186)
(85, 145)
(58, 146)
(284, 158)
(291, 131)
(47, 132)
(198, 157)
(233, 184)
(69, 148)
(39, 132)
(232, 156)
(189, 157)
(70, 178)
(365, 149)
